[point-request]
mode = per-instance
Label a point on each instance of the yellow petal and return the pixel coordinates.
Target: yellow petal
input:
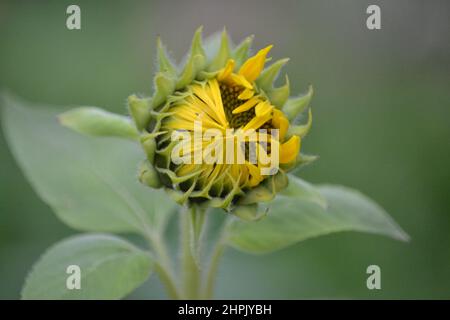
(226, 71)
(240, 80)
(184, 112)
(246, 94)
(255, 174)
(257, 122)
(254, 65)
(263, 108)
(214, 92)
(280, 122)
(290, 149)
(209, 96)
(246, 105)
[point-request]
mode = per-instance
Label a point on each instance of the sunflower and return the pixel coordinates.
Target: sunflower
(232, 95)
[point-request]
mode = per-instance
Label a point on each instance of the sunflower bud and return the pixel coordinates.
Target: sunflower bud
(217, 132)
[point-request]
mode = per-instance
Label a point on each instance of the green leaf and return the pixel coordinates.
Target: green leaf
(98, 122)
(302, 190)
(110, 268)
(292, 218)
(91, 183)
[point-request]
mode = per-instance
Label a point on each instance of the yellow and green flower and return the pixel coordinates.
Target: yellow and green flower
(228, 92)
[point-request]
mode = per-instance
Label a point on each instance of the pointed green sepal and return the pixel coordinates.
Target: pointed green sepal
(226, 202)
(164, 86)
(190, 71)
(295, 106)
(204, 75)
(305, 159)
(176, 180)
(301, 130)
(139, 109)
(279, 181)
(148, 175)
(222, 56)
(196, 46)
(98, 122)
(178, 196)
(279, 96)
(240, 54)
(165, 65)
(269, 75)
(301, 161)
(195, 63)
(148, 143)
(261, 193)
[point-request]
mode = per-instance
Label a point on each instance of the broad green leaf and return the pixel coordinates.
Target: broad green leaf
(90, 183)
(98, 122)
(302, 190)
(292, 219)
(109, 268)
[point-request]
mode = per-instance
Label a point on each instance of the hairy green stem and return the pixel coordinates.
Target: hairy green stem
(192, 221)
(164, 266)
(194, 286)
(216, 255)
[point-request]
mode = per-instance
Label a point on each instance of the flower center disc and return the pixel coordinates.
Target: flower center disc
(230, 102)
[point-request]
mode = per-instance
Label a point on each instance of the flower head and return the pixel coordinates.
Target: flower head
(217, 131)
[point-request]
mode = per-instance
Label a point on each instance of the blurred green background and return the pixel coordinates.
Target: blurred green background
(381, 125)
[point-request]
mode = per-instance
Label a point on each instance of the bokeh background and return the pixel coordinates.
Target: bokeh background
(381, 125)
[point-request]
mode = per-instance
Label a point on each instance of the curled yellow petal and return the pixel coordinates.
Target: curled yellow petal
(246, 94)
(290, 149)
(226, 71)
(252, 68)
(240, 81)
(280, 122)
